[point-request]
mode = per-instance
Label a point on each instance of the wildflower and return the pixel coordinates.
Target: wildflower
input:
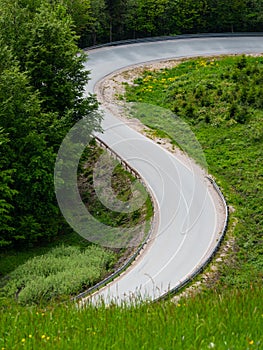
(211, 345)
(23, 340)
(30, 336)
(48, 338)
(43, 336)
(251, 342)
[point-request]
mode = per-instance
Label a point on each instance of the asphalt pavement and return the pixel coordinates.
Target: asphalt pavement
(187, 219)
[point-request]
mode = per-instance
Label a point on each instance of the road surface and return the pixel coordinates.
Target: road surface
(188, 223)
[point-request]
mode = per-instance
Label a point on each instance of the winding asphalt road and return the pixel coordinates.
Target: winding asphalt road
(187, 225)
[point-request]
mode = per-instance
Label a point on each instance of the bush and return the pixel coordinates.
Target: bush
(62, 271)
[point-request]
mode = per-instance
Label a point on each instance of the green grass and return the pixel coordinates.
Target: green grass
(221, 99)
(229, 320)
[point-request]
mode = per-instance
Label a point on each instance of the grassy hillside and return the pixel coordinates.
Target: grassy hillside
(222, 101)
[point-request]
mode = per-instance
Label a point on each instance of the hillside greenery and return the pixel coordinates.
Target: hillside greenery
(221, 99)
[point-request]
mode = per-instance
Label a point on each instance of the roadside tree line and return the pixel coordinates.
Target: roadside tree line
(110, 20)
(41, 97)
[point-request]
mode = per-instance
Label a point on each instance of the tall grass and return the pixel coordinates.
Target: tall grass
(61, 272)
(231, 320)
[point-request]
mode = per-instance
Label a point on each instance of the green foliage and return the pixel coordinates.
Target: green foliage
(125, 19)
(80, 12)
(228, 320)
(41, 95)
(60, 272)
(32, 158)
(55, 65)
(147, 16)
(221, 98)
(7, 194)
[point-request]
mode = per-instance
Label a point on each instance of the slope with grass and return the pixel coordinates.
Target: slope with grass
(222, 100)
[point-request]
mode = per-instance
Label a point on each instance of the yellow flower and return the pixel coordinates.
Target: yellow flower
(43, 336)
(30, 336)
(48, 338)
(251, 342)
(23, 340)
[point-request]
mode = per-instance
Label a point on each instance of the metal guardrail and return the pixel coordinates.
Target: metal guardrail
(173, 37)
(130, 260)
(120, 159)
(214, 251)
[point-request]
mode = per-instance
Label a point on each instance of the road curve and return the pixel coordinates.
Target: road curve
(188, 222)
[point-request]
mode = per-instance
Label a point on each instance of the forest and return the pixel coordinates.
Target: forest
(103, 21)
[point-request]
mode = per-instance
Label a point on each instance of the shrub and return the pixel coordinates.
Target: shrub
(62, 271)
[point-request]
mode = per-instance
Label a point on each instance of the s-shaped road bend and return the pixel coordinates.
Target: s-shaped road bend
(188, 222)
